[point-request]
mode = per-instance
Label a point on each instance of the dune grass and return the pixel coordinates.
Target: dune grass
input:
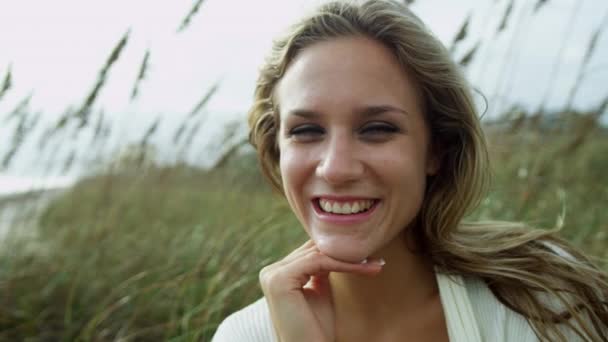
(166, 253)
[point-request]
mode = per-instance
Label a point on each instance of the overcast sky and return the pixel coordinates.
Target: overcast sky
(55, 50)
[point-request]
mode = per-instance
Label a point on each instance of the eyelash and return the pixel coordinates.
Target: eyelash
(306, 129)
(369, 129)
(382, 128)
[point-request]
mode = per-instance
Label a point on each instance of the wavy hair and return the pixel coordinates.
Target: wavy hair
(531, 271)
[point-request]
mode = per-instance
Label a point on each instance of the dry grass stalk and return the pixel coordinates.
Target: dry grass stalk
(180, 130)
(50, 132)
(231, 133)
(487, 21)
(24, 125)
(145, 150)
(504, 82)
(69, 161)
(141, 75)
(208, 95)
(462, 33)
(587, 57)
(189, 138)
(230, 153)
(468, 57)
(505, 18)
(199, 106)
(190, 15)
(150, 131)
(557, 62)
(7, 83)
(98, 128)
(20, 110)
(83, 113)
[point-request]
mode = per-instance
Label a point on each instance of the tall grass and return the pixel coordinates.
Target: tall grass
(156, 253)
(142, 255)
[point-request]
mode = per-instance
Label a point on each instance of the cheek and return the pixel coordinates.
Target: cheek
(404, 169)
(293, 175)
(296, 164)
(288, 168)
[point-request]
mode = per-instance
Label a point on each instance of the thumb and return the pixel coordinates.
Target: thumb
(319, 283)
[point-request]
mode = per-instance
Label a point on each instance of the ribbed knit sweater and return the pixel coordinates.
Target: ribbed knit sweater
(472, 312)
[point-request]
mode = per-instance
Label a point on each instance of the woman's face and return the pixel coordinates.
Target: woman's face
(354, 146)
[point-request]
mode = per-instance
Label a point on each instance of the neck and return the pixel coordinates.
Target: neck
(406, 282)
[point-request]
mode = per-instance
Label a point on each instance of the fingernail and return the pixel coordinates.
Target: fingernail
(380, 262)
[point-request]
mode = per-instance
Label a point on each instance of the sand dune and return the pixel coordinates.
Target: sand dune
(18, 212)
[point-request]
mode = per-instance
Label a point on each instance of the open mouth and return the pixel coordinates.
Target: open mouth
(345, 207)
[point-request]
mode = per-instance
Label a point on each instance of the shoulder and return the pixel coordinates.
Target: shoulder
(250, 324)
(496, 321)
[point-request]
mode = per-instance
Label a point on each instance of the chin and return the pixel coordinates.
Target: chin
(343, 251)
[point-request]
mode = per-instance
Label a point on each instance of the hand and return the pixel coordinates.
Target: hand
(299, 296)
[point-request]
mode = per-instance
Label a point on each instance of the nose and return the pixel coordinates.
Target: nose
(340, 161)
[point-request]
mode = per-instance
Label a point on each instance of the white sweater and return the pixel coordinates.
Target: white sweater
(473, 314)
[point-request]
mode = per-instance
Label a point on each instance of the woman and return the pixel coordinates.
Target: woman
(368, 128)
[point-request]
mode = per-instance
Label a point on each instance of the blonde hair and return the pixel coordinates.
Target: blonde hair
(521, 266)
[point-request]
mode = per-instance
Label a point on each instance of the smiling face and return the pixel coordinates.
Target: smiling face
(354, 145)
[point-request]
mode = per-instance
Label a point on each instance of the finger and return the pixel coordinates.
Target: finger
(271, 271)
(310, 246)
(311, 253)
(298, 252)
(373, 261)
(319, 283)
(307, 246)
(299, 271)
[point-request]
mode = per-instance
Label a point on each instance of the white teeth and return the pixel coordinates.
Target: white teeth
(322, 204)
(325, 205)
(345, 208)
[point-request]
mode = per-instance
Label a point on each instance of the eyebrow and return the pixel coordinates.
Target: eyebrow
(365, 111)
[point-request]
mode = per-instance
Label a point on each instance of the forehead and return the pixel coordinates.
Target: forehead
(346, 72)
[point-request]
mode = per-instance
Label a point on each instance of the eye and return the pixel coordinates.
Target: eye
(378, 130)
(306, 132)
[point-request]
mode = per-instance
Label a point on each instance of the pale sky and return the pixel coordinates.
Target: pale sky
(56, 49)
